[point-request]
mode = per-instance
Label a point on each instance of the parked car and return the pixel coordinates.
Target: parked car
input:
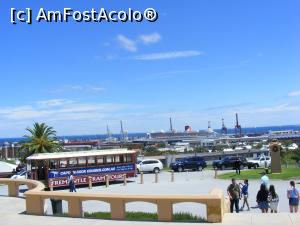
(20, 175)
(229, 162)
(262, 161)
(149, 165)
(194, 163)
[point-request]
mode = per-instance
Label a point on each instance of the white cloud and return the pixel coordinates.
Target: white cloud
(150, 38)
(132, 44)
(76, 87)
(54, 112)
(80, 88)
(282, 108)
(95, 89)
(294, 93)
(127, 43)
(88, 88)
(53, 102)
(169, 55)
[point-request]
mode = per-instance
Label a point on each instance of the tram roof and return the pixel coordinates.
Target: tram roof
(58, 155)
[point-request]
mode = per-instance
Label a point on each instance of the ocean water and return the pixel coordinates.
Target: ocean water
(248, 130)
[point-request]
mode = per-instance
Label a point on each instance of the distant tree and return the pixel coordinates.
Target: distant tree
(286, 142)
(290, 156)
(200, 149)
(134, 146)
(161, 145)
(258, 146)
(296, 155)
(219, 148)
(41, 139)
(152, 151)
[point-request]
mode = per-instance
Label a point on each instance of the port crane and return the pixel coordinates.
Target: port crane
(238, 127)
(224, 128)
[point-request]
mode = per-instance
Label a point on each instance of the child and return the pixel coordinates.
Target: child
(245, 194)
(273, 199)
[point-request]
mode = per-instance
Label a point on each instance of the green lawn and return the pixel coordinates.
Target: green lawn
(287, 174)
(186, 217)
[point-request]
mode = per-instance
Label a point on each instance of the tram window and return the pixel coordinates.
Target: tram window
(117, 159)
(127, 158)
(53, 164)
(100, 160)
(91, 160)
(109, 159)
(82, 161)
(33, 165)
(72, 161)
(28, 166)
(63, 163)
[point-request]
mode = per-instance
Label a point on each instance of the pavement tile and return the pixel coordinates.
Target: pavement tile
(295, 218)
(271, 219)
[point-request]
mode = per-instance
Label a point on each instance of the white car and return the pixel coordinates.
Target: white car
(262, 161)
(149, 165)
(20, 175)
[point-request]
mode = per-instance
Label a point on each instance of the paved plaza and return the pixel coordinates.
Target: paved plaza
(185, 183)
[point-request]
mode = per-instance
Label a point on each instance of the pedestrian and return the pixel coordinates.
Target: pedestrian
(237, 165)
(234, 194)
(273, 199)
(262, 198)
(293, 196)
(265, 180)
(71, 182)
(18, 168)
(245, 194)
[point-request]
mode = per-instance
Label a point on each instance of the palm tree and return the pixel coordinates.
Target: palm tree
(42, 139)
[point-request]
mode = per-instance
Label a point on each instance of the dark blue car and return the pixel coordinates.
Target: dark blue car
(189, 163)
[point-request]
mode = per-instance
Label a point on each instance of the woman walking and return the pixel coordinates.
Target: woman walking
(293, 196)
(273, 199)
(262, 198)
(245, 194)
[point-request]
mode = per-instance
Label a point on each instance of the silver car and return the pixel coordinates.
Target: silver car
(149, 165)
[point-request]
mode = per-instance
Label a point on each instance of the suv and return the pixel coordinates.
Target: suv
(195, 163)
(229, 162)
(149, 165)
(262, 161)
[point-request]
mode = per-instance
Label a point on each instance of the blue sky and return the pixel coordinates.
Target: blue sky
(202, 60)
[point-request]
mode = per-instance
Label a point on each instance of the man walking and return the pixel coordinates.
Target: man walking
(237, 165)
(71, 182)
(234, 194)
